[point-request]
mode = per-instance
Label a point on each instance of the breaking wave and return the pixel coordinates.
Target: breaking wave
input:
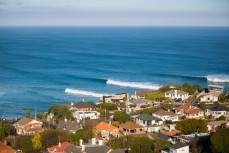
(218, 78)
(142, 85)
(83, 92)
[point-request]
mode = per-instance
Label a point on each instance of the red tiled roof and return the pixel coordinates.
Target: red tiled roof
(104, 126)
(130, 125)
(162, 112)
(63, 146)
(6, 149)
(172, 133)
(142, 93)
(97, 138)
(189, 109)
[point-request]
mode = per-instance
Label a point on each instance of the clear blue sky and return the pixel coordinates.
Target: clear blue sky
(115, 12)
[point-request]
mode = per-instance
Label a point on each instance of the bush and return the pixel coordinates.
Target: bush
(121, 117)
(220, 140)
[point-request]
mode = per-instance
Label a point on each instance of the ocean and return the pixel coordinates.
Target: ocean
(43, 66)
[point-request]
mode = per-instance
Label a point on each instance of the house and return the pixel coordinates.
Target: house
(176, 94)
(129, 128)
(217, 110)
(83, 106)
(165, 115)
(79, 115)
(177, 148)
(134, 114)
(60, 148)
(115, 98)
(189, 111)
(121, 107)
(210, 97)
(27, 126)
(107, 130)
(215, 88)
(151, 123)
(71, 126)
(6, 149)
(140, 95)
(142, 103)
(215, 125)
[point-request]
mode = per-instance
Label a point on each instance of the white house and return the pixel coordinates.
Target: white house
(121, 97)
(189, 111)
(217, 111)
(210, 97)
(177, 148)
(166, 116)
(151, 123)
(176, 94)
(79, 115)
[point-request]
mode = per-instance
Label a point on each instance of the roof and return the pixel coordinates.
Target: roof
(91, 149)
(179, 92)
(104, 126)
(219, 108)
(216, 123)
(189, 109)
(6, 149)
(62, 148)
(178, 145)
(97, 137)
(138, 101)
(147, 117)
(162, 136)
(83, 105)
(162, 112)
(143, 93)
(172, 133)
(135, 112)
(130, 125)
(69, 125)
(24, 121)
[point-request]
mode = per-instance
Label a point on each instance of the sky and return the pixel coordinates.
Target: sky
(114, 12)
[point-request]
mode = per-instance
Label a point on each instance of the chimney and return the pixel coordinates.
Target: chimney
(109, 123)
(83, 148)
(135, 93)
(65, 119)
(82, 100)
(93, 141)
(168, 110)
(81, 141)
(100, 142)
(59, 145)
(72, 103)
(175, 91)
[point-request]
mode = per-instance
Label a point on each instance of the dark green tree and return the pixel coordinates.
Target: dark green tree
(141, 145)
(111, 106)
(203, 106)
(2, 133)
(121, 117)
(160, 144)
(221, 118)
(192, 125)
(167, 106)
(220, 140)
(61, 112)
(26, 143)
(148, 111)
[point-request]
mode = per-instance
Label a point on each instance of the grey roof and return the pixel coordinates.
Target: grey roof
(69, 125)
(135, 113)
(83, 105)
(121, 106)
(178, 145)
(147, 117)
(219, 108)
(138, 101)
(163, 136)
(23, 121)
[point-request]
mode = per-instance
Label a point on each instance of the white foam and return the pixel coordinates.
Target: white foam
(142, 85)
(218, 78)
(82, 92)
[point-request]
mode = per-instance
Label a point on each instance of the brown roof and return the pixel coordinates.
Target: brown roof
(24, 121)
(189, 109)
(130, 125)
(6, 149)
(162, 112)
(143, 93)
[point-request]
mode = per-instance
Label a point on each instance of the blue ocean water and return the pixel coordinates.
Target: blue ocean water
(42, 66)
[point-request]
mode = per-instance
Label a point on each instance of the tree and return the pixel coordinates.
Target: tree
(221, 118)
(148, 111)
(2, 134)
(111, 106)
(192, 125)
(40, 116)
(203, 106)
(167, 106)
(37, 141)
(25, 143)
(160, 144)
(61, 112)
(7, 128)
(141, 145)
(27, 111)
(220, 140)
(164, 88)
(224, 97)
(121, 117)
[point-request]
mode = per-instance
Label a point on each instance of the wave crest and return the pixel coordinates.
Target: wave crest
(218, 78)
(140, 85)
(83, 92)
